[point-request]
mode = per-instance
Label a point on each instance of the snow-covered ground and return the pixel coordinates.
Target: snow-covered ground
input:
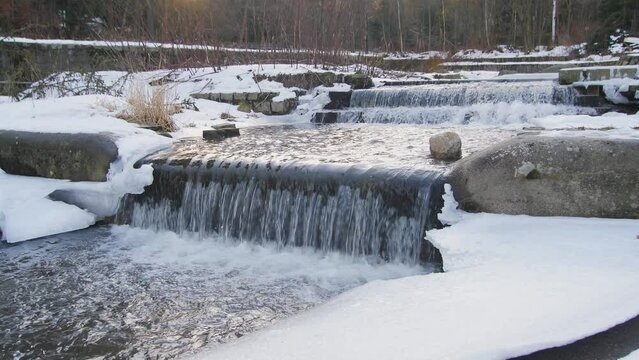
(181, 83)
(504, 51)
(513, 285)
(25, 211)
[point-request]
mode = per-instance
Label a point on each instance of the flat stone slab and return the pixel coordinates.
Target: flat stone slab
(551, 176)
(76, 157)
(573, 75)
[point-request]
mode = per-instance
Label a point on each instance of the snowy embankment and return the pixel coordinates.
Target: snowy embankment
(513, 285)
(181, 83)
(25, 210)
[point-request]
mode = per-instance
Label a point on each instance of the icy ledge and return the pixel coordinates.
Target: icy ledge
(25, 210)
(513, 285)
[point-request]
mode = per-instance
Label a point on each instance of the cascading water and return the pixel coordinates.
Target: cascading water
(484, 103)
(359, 211)
(464, 94)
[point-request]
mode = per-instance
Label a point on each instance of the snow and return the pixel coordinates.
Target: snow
(529, 77)
(609, 120)
(180, 84)
(24, 208)
(632, 356)
(26, 213)
(504, 51)
(513, 285)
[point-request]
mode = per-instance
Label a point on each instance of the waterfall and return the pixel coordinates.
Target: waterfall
(485, 114)
(360, 211)
(486, 103)
(464, 94)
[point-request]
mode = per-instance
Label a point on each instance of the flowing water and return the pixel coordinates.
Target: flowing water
(121, 293)
(485, 103)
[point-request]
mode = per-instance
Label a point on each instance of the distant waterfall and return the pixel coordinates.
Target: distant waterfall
(464, 94)
(486, 103)
(486, 114)
(358, 211)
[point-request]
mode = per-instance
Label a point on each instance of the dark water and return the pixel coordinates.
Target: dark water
(122, 293)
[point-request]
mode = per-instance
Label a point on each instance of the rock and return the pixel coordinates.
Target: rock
(446, 146)
(220, 133)
(359, 81)
(76, 157)
(339, 100)
(551, 176)
(245, 107)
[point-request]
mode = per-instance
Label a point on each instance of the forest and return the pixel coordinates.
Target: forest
(353, 25)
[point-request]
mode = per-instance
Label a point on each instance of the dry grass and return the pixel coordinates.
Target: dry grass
(109, 104)
(154, 109)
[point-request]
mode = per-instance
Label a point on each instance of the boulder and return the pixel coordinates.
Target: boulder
(359, 81)
(551, 176)
(446, 146)
(76, 157)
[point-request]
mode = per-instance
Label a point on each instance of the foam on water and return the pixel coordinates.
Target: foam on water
(464, 94)
(481, 114)
(126, 292)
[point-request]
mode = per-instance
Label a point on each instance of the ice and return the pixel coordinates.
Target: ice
(513, 285)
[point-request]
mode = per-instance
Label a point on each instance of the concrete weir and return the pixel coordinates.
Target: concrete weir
(356, 210)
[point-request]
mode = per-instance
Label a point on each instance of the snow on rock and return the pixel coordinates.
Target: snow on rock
(513, 285)
(611, 120)
(25, 210)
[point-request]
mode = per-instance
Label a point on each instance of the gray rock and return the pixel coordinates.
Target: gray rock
(77, 157)
(283, 107)
(220, 134)
(551, 176)
(446, 146)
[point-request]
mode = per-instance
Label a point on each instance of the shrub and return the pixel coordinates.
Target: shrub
(150, 109)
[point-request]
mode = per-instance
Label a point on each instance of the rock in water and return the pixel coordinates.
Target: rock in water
(221, 132)
(551, 176)
(446, 146)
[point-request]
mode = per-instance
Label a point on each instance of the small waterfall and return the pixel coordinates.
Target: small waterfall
(355, 210)
(464, 94)
(485, 114)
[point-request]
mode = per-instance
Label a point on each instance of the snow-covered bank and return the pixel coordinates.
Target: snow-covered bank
(25, 210)
(513, 285)
(611, 125)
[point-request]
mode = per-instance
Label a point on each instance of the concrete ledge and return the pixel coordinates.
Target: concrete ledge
(77, 157)
(551, 176)
(573, 75)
